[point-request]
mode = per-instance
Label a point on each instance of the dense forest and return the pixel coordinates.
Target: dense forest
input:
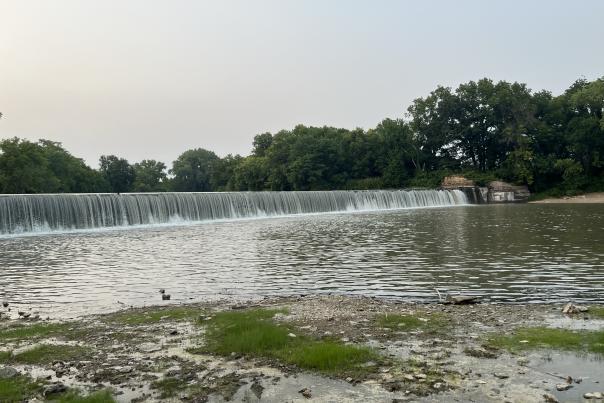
(483, 129)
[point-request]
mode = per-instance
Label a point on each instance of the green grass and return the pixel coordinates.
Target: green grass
(35, 331)
(433, 323)
(557, 339)
(140, 317)
(253, 333)
(18, 389)
(75, 396)
(169, 386)
(46, 354)
(596, 312)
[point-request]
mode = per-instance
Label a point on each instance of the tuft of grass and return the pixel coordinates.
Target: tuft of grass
(35, 331)
(433, 323)
(253, 333)
(596, 312)
(47, 353)
(18, 389)
(169, 386)
(75, 396)
(140, 317)
(5, 356)
(558, 339)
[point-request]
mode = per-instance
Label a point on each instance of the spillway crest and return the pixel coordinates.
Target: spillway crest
(64, 212)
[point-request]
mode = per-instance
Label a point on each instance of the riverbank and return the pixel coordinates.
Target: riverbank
(309, 348)
(586, 198)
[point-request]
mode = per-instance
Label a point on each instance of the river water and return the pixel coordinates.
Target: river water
(506, 253)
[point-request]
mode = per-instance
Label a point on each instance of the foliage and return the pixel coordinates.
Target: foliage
(142, 316)
(483, 129)
(75, 396)
(18, 389)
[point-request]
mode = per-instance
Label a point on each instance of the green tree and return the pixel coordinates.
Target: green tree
(150, 176)
(193, 171)
(118, 173)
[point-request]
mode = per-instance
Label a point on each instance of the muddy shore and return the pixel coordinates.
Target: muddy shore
(424, 353)
(586, 198)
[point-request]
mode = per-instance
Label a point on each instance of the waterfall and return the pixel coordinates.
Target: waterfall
(63, 212)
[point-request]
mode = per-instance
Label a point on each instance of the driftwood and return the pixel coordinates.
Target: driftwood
(462, 299)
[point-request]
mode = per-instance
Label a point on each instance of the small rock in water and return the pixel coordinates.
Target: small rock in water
(165, 297)
(549, 398)
(593, 395)
(5, 304)
(162, 291)
(54, 388)
(563, 386)
(8, 373)
(306, 393)
(571, 308)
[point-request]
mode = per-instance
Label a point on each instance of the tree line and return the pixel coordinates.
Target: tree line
(482, 129)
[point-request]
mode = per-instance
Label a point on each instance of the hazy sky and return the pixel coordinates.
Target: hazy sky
(150, 79)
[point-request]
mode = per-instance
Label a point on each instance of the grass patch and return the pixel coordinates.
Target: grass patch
(596, 312)
(18, 389)
(253, 333)
(169, 386)
(35, 331)
(433, 323)
(47, 353)
(558, 339)
(75, 396)
(139, 317)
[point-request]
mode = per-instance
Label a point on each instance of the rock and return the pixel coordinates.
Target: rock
(306, 393)
(257, 389)
(550, 398)
(593, 395)
(481, 352)
(291, 335)
(162, 291)
(462, 299)
(54, 389)
(500, 375)
(8, 373)
(5, 304)
(165, 297)
(570, 309)
(409, 377)
(172, 332)
(563, 386)
(149, 347)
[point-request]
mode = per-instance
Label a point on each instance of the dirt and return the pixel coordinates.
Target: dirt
(152, 362)
(586, 198)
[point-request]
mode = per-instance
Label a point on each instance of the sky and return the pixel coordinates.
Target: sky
(146, 79)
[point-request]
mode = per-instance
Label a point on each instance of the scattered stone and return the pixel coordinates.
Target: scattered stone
(8, 373)
(54, 389)
(462, 299)
(257, 389)
(172, 332)
(500, 375)
(349, 380)
(291, 335)
(593, 395)
(561, 387)
(570, 309)
(307, 393)
(549, 398)
(165, 297)
(162, 291)
(481, 352)
(149, 347)
(5, 304)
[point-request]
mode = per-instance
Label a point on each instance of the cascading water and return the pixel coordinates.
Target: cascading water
(63, 212)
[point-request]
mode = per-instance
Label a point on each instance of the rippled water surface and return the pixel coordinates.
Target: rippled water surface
(512, 253)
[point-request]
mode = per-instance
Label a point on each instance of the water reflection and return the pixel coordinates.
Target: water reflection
(521, 253)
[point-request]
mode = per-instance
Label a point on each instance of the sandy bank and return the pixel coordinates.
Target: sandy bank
(586, 198)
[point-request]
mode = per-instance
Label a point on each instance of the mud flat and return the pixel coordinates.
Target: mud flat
(586, 198)
(308, 348)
